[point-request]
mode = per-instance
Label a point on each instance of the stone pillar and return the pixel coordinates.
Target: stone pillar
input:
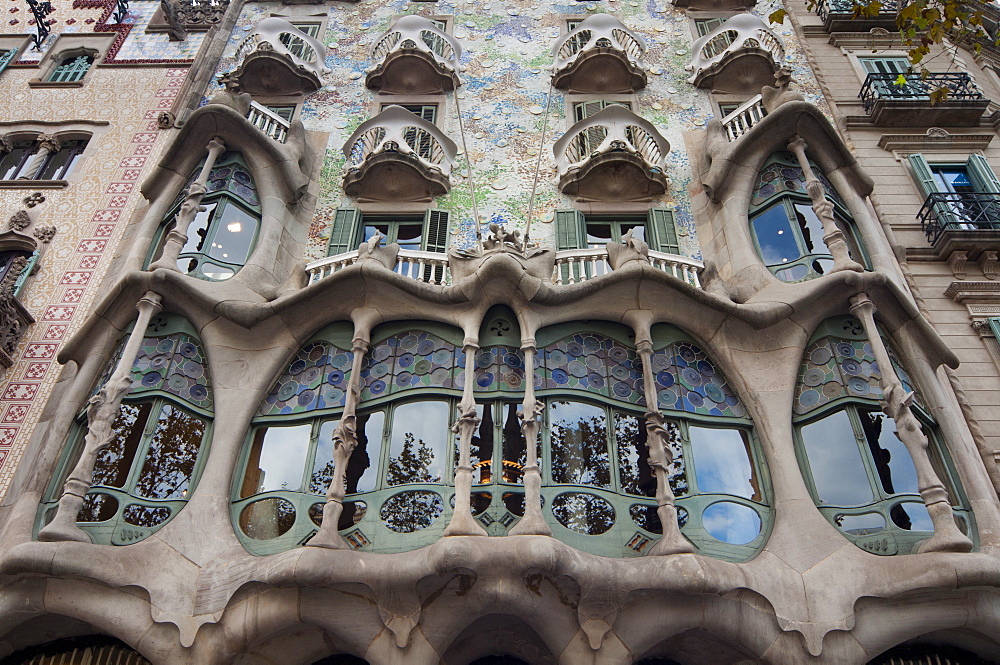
(533, 523)
(345, 440)
(896, 404)
(462, 523)
(832, 235)
(101, 415)
(48, 145)
(660, 458)
(177, 237)
(6, 145)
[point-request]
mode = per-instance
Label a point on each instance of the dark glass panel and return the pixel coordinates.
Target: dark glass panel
(115, 461)
(481, 446)
(598, 235)
(635, 475)
(416, 445)
(97, 507)
(775, 236)
(579, 442)
(584, 513)
(233, 235)
(911, 516)
(409, 235)
(267, 518)
(362, 467)
(892, 460)
(407, 512)
(860, 525)
(145, 515)
(837, 468)
(171, 456)
(515, 448)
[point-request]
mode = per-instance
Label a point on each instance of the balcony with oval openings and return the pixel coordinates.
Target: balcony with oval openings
(613, 155)
(277, 58)
(398, 156)
(415, 56)
(740, 56)
(599, 55)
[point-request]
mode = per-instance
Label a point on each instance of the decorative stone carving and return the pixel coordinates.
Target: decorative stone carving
(956, 261)
(171, 12)
(414, 57)
(599, 55)
(988, 264)
(462, 522)
(739, 56)
(5, 145)
(47, 144)
(372, 250)
(531, 414)
(628, 250)
(33, 199)
(44, 234)
(19, 221)
(503, 240)
(165, 120)
(277, 58)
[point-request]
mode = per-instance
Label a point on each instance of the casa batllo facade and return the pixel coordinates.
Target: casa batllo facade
(492, 333)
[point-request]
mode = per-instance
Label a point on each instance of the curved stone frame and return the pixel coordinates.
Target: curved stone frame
(222, 198)
(799, 194)
(891, 539)
(117, 530)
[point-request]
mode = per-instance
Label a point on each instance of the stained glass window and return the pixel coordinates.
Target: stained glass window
(592, 363)
(408, 360)
(316, 379)
(687, 380)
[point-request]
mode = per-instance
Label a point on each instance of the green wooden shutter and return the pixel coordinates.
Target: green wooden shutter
(662, 231)
(925, 179)
(571, 229)
(995, 327)
(983, 178)
(436, 230)
(7, 57)
(345, 224)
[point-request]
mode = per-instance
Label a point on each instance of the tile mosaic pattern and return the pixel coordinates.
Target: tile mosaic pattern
(412, 359)
(687, 380)
(778, 178)
(593, 363)
(316, 379)
(500, 368)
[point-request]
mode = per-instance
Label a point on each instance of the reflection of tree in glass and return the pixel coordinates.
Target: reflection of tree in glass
(412, 464)
(871, 424)
(97, 508)
(407, 512)
(115, 461)
(583, 513)
(145, 515)
(173, 451)
(579, 443)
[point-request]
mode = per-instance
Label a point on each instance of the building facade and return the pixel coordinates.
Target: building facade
(473, 332)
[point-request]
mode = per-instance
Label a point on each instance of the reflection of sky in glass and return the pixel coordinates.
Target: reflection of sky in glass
(837, 469)
(731, 522)
(775, 237)
(427, 423)
(902, 475)
(319, 480)
(282, 458)
(812, 229)
(721, 462)
(920, 519)
(860, 525)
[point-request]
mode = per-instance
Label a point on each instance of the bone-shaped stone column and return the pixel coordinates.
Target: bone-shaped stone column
(533, 523)
(101, 415)
(832, 235)
(660, 458)
(462, 522)
(896, 404)
(345, 440)
(177, 237)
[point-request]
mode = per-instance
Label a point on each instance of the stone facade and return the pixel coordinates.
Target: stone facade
(627, 346)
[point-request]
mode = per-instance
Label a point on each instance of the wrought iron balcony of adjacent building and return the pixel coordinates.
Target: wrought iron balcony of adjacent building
(277, 58)
(598, 56)
(905, 100)
(613, 155)
(840, 16)
(740, 56)
(398, 156)
(960, 227)
(414, 57)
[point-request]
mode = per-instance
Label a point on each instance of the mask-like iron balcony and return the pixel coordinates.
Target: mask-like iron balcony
(277, 58)
(890, 103)
(398, 156)
(414, 57)
(613, 155)
(599, 55)
(740, 56)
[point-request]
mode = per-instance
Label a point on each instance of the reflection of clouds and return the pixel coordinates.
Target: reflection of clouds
(904, 474)
(721, 462)
(427, 423)
(731, 522)
(835, 461)
(283, 456)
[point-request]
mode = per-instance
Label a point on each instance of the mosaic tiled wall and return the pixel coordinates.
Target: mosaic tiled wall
(91, 212)
(505, 81)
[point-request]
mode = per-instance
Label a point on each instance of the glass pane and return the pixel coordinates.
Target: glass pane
(837, 468)
(481, 446)
(598, 235)
(198, 231)
(579, 442)
(362, 468)
(722, 462)
(416, 445)
(584, 513)
(370, 230)
(13, 160)
(97, 507)
(267, 518)
(860, 525)
(115, 461)
(515, 448)
(171, 456)
(911, 516)
(811, 228)
(633, 456)
(409, 235)
(731, 522)
(234, 231)
(638, 229)
(892, 460)
(323, 464)
(212, 271)
(145, 515)
(775, 236)
(276, 459)
(58, 163)
(952, 179)
(407, 512)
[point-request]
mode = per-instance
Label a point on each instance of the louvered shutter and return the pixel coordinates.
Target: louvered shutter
(943, 212)
(995, 327)
(571, 229)
(987, 208)
(435, 240)
(345, 224)
(662, 231)
(981, 174)
(7, 57)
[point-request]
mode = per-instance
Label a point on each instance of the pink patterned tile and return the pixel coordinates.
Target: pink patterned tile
(55, 331)
(21, 392)
(117, 201)
(89, 261)
(120, 188)
(36, 371)
(16, 413)
(40, 351)
(144, 138)
(104, 230)
(81, 278)
(7, 436)
(91, 245)
(73, 295)
(106, 216)
(58, 313)
(133, 162)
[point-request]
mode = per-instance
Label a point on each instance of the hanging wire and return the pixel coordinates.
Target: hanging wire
(538, 166)
(468, 168)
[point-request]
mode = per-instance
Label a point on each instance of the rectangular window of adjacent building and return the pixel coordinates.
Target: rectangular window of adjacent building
(964, 195)
(707, 25)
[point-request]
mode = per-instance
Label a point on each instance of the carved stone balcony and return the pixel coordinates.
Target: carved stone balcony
(891, 104)
(428, 267)
(614, 155)
(839, 16)
(962, 227)
(599, 55)
(414, 57)
(277, 58)
(579, 265)
(740, 56)
(397, 156)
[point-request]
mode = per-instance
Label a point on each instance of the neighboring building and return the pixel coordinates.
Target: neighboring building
(368, 374)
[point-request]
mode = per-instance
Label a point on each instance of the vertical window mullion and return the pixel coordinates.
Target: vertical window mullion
(866, 454)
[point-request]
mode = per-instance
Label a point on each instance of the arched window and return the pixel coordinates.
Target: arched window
(148, 471)
(861, 475)
(41, 158)
(928, 655)
(786, 230)
(72, 68)
(222, 236)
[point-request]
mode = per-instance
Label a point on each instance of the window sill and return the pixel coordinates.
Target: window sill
(55, 84)
(33, 184)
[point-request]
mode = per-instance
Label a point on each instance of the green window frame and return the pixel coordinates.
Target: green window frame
(297, 46)
(223, 235)
(703, 26)
(963, 209)
(72, 69)
(7, 56)
(350, 228)
(859, 473)
(658, 224)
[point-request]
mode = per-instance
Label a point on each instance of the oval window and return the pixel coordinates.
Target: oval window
(267, 518)
(584, 513)
(411, 511)
(731, 522)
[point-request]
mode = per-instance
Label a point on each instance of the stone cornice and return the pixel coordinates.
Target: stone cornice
(963, 291)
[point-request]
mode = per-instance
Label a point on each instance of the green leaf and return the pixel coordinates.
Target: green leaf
(777, 16)
(900, 80)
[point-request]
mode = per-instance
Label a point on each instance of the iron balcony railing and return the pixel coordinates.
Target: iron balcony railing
(966, 211)
(744, 117)
(825, 8)
(916, 87)
(598, 31)
(268, 121)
